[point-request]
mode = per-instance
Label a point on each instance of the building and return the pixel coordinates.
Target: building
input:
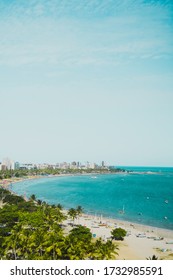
(27, 166)
(7, 164)
(16, 165)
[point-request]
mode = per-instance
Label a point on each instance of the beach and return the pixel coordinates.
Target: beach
(141, 242)
(153, 241)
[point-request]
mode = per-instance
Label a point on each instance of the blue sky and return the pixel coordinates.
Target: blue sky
(87, 80)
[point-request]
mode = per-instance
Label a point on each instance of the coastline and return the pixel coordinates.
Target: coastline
(155, 241)
(8, 182)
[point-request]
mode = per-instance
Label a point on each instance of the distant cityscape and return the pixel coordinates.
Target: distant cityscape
(8, 164)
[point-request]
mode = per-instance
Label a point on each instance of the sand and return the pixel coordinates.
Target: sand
(133, 247)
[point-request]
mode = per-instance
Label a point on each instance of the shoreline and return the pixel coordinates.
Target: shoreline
(133, 225)
(8, 182)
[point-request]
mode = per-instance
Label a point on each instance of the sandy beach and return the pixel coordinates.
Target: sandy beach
(153, 241)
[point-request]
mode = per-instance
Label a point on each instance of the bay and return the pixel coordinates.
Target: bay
(144, 193)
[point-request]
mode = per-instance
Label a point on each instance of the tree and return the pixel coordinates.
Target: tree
(118, 233)
(152, 258)
(33, 197)
(29, 231)
(72, 213)
(79, 210)
(13, 199)
(78, 244)
(104, 251)
(81, 233)
(59, 206)
(17, 175)
(54, 244)
(12, 243)
(39, 201)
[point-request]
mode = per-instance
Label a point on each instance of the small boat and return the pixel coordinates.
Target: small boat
(166, 201)
(102, 225)
(165, 218)
(158, 238)
(141, 235)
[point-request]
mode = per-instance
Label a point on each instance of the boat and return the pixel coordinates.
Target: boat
(158, 238)
(166, 201)
(141, 235)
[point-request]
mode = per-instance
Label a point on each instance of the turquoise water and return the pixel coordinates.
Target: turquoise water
(145, 193)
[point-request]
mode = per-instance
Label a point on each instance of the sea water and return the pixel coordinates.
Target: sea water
(142, 195)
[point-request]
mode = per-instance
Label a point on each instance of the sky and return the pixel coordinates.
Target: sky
(87, 80)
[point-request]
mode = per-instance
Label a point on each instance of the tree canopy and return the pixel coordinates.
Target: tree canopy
(118, 233)
(32, 230)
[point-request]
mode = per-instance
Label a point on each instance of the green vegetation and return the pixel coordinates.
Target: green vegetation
(118, 233)
(73, 214)
(34, 230)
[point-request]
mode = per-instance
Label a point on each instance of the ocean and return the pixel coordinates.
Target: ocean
(143, 194)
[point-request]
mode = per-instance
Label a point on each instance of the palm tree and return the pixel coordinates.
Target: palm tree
(103, 251)
(78, 243)
(53, 245)
(75, 249)
(59, 206)
(39, 201)
(12, 243)
(109, 250)
(79, 211)
(152, 258)
(73, 214)
(33, 197)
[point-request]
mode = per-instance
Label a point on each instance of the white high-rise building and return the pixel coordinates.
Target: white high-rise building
(8, 163)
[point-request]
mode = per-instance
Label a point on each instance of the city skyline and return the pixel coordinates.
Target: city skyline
(88, 80)
(9, 164)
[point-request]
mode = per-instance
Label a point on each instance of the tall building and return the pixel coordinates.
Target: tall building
(16, 165)
(3, 167)
(8, 163)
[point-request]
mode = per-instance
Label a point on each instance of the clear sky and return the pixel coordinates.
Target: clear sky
(87, 80)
